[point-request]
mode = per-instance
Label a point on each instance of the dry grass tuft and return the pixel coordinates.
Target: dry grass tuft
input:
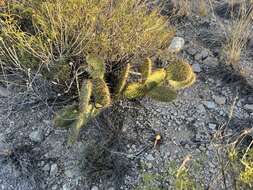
(238, 34)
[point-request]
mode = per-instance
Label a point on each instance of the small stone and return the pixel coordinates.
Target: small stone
(94, 187)
(219, 100)
(150, 157)
(46, 167)
(212, 126)
(204, 54)
(4, 92)
(201, 108)
(54, 187)
(36, 136)
(111, 188)
(211, 61)
(196, 68)
(209, 104)
(65, 187)
(177, 44)
(53, 170)
(249, 107)
(198, 57)
(192, 51)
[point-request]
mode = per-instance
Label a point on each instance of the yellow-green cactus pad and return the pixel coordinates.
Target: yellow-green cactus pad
(66, 116)
(179, 71)
(96, 66)
(134, 90)
(101, 93)
(155, 79)
(122, 79)
(84, 111)
(163, 94)
(183, 84)
(146, 69)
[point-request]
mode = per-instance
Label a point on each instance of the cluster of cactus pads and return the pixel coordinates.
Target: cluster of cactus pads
(95, 95)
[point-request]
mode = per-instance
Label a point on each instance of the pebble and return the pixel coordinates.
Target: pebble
(94, 187)
(249, 107)
(177, 44)
(201, 108)
(150, 157)
(209, 104)
(4, 92)
(211, 61)
(54, 187)
(212, 126)
(192, 51)
(53, 170)
(46, 167)
(219, 99)
(36, 136)
(196, 68)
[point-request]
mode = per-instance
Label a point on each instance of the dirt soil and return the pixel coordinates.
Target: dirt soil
(115, 148)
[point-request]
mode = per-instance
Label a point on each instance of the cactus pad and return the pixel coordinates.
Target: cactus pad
(96, 66)
(134, 90)
(122, 79)
(84, 110)
(101, 93)
(179, 71)
(66, 116)
(155, 79)
(163, 94)
(146, 69)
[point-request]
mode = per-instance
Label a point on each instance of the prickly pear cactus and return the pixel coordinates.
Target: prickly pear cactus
(95, 95)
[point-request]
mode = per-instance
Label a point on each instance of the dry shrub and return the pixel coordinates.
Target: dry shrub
(55, 33)
(238, 33)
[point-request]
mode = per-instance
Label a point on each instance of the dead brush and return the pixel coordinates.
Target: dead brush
(184, 8)
(65, 31)
(238, 33)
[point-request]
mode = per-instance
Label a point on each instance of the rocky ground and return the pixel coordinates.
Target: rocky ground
(118, 146)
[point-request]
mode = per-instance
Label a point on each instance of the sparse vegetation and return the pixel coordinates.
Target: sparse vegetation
(105, 65)
(95, 94)
(51, 36)
(238, 31)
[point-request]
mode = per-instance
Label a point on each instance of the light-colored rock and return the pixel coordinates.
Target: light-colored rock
(249, 107)
(219, 99)
(212, 126)
(36, 136)
(94, 187)
(196, 68)
(177, 44)
(53, 170)
(150, 157)
(209, 104)
(4, 92)
(46, 167)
